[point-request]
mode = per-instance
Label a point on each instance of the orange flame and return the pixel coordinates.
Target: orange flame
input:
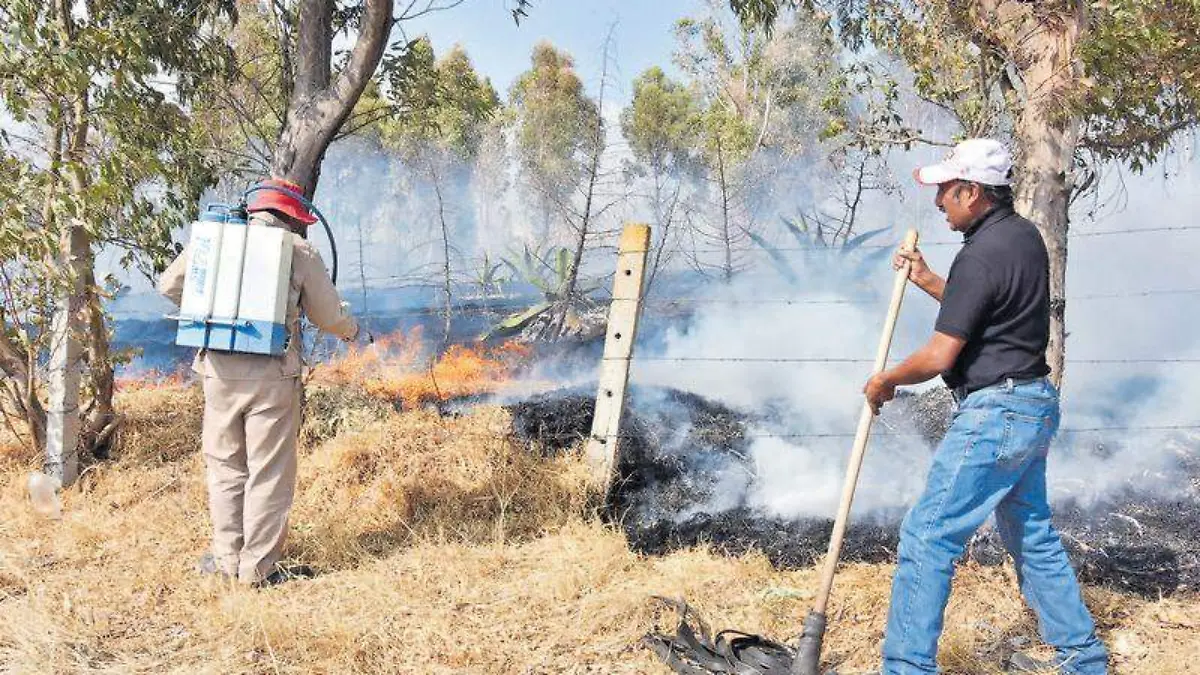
(152, 379)
(393, 368)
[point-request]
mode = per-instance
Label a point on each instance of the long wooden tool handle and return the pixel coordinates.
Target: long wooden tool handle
(862, 435)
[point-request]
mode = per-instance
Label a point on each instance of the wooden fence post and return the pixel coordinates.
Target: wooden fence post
(623, 316)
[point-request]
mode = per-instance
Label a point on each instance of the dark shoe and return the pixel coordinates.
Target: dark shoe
(1020, 663)
(207, 566)
(284, 574)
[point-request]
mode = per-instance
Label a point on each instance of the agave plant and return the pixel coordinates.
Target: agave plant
(822, 251)
(546, 271)
(549, 272)
(488, 278)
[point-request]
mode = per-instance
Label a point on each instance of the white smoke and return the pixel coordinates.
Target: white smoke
(1112, 411)
(385, 218)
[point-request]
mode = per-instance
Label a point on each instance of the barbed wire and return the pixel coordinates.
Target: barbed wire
(915, 434)
(696, 300)
(816, 359)
(738, 359)
(832, 248)
(1134, 294)
(458, 260)
(501, 305)
(1141, 230)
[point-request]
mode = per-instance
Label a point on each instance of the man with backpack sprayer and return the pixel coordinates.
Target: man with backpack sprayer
(252, 378)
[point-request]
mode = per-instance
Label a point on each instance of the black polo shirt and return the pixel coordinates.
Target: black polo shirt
(997, 298)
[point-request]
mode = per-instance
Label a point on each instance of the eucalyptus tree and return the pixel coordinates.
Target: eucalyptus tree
(662, 125)
(554, 124)
(98, 152)
(1071, 83)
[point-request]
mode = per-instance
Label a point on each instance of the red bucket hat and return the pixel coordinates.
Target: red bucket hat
(265, 198)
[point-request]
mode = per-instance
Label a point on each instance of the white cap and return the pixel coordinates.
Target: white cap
(979, 160)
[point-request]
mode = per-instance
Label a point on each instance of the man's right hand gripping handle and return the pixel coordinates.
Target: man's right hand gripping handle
(919, 272)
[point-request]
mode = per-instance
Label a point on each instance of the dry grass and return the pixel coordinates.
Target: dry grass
(443, 548)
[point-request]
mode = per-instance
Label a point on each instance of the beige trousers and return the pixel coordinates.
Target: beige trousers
(249, 441)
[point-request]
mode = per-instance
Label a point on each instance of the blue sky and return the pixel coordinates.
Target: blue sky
(643, 35)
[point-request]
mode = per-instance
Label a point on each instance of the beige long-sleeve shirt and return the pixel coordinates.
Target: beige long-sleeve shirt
(311, 292)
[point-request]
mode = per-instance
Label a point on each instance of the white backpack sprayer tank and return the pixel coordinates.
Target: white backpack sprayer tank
(238, 276)
(236, 286)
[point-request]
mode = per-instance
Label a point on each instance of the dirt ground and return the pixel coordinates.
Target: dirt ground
(443, 547)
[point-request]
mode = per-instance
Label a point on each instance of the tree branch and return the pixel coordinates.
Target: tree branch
(364, 58)
(314, 49)
(1132, 139)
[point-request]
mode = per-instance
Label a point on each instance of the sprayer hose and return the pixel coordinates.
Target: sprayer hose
(307, 203)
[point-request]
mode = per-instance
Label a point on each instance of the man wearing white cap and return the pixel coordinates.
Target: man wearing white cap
(989, 345)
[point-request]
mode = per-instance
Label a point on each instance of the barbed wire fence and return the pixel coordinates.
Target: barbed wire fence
(685, 303)
(602, 436)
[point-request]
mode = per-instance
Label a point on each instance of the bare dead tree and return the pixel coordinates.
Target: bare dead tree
(597, 147)
(857, 171)
(447, 284)
(665, 208)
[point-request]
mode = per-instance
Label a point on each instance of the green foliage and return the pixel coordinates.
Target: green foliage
(488, 278)
(549, 271)
(762, 13)
(440, 103)
(1143, 77)
(521, 10)
(1138, 87)
(662, 122)
(237, 118)
(101, 105)
(727, 139)
(555, 121)
(775, 82)
(514, 323)
(100, 153)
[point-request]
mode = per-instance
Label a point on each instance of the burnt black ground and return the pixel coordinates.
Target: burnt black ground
(677, 459)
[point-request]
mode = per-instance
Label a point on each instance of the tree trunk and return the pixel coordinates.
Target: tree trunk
(101, 420)
(362, 266)
(1044, 49)
(726, 237)
(65, 366)
(447, 290)
(661, 229)
(585, 224)
(593, 176)
(1047, 136)
(1043, 194)
(19, 389)
(319, 106)
(70, 322)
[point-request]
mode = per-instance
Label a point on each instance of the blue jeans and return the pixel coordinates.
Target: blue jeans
(992, 459)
